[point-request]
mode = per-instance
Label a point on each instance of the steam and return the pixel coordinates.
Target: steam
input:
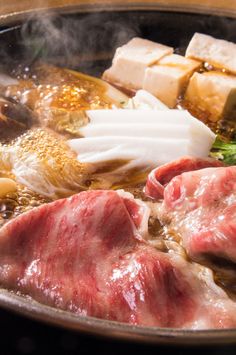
(87, 41)
(74, 41)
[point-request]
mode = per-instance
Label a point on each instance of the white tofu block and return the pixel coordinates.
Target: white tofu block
(213, 92)
(180, 62)
(164, 83)
(131, 60)
(127, 73)
(168, 78)
(218, 52)
(144, 50)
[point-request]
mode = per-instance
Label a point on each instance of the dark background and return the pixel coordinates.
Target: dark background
(20, 336)
(74, 41)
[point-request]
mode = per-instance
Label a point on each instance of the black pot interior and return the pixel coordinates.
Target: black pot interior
(87, 41)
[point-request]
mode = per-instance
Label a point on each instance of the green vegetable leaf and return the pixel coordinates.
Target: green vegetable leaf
(225, 151)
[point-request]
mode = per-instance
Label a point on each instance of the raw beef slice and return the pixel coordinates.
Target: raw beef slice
(86, 254)
(160, 176)
(201, 207)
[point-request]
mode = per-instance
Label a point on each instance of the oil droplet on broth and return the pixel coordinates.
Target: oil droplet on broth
(14, 204)
(60, 88)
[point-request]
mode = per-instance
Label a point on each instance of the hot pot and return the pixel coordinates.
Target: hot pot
(92, 32)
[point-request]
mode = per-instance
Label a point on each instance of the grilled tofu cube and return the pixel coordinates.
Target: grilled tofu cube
(214, 93)
(168, 78)
(219, 53)
(132, 59)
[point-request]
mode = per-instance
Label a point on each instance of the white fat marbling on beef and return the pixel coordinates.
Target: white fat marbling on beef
(162, 175)
(200, 206)
(139, 211)
(86, 254)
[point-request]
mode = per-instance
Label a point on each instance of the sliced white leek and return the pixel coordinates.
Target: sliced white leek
(141, 130)
(199, 138)
(143, 100)
(147, 117)
(145, 137)
(145, 151)
(6, 80)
